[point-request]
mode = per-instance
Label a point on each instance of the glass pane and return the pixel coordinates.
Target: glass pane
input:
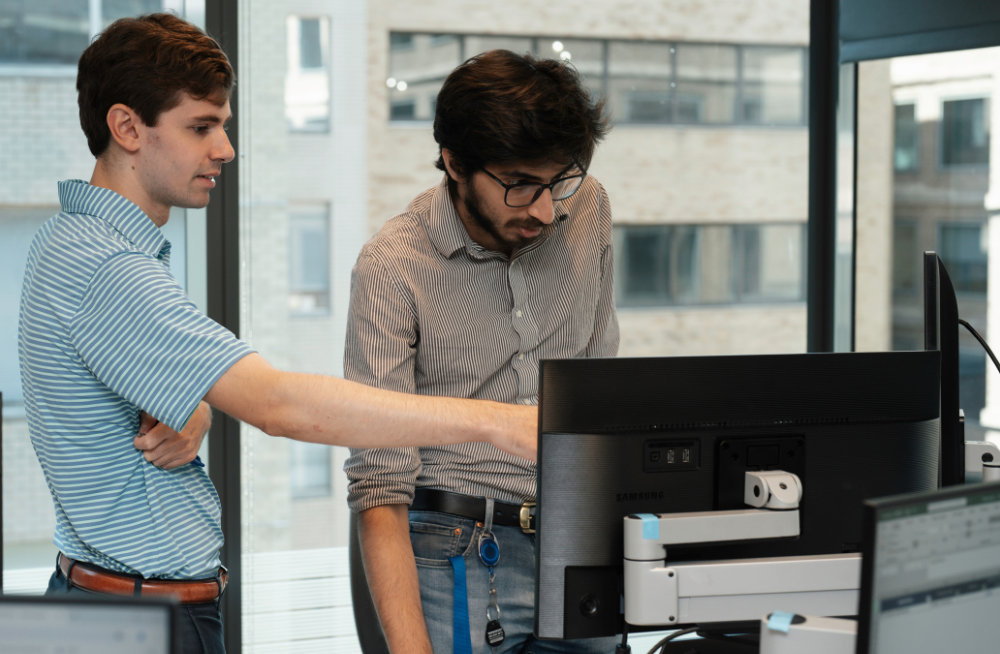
(477, 44)
(773, 89)
(418, 65)
(307, 82)
(907, 145)
(44, 31)
(965, 132)
(304, 194)
(932, 188)
(49, 128)
(706, 83)
(112, 10)
(640, 81)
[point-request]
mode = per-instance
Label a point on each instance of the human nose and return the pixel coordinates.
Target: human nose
(541, 209)
(224, 150)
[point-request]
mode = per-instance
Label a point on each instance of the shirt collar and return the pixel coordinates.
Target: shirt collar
(77, 196)
(448, 233)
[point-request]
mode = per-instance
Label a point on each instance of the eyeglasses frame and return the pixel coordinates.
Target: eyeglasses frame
(538, 193)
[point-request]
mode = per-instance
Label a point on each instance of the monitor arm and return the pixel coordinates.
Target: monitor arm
(715, 591)
(982, 458)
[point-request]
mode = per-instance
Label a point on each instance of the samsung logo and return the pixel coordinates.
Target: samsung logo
(648, 495)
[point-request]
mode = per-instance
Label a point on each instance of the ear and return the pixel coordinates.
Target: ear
(125, 126)
(451, 166)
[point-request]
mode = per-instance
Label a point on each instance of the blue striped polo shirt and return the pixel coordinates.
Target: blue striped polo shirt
(106, 331)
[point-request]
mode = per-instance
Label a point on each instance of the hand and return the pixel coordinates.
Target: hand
(167, 449)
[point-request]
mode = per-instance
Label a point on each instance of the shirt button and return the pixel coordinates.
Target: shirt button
(518, 313)
(520, 357)
(526, 401)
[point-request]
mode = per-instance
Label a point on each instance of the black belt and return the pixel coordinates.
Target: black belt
(467, 506)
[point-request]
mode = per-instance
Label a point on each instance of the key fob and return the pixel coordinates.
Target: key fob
(494, 633)
(489, 551)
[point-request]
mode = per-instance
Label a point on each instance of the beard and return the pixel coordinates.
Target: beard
(492, 225)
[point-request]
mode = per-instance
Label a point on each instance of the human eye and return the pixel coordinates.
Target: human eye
(200, 129)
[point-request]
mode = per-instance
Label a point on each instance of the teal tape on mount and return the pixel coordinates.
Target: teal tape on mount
(650, 526)
(780, 621)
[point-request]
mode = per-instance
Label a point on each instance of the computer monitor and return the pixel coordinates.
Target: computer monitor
(84, 625)
(676, 434)
(930, 572)
(941, 333)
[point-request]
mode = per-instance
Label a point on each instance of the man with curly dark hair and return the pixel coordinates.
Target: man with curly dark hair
(508, 261)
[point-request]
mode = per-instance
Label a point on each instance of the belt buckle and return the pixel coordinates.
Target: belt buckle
(527, 515)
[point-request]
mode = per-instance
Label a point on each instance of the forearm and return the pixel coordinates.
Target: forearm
(334, 411)
(392, 577)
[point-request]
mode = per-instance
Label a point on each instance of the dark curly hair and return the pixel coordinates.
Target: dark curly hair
(499, 108)
(146, 63)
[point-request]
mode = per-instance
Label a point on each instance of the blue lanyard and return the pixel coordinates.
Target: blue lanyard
(461, 633)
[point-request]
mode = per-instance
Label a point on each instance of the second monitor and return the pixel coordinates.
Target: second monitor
(676, 434)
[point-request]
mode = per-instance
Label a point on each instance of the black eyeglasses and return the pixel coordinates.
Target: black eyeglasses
(524, 193)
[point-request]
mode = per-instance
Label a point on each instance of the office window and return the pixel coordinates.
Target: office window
(706, 84)
(773, 91)
(309, 470)
(307, 81)
(906, 260)
(645, 81)
(963, 249)
(639, 81)
(308, 264)
(56, 32)
(673, 265)
(965, 132)
(771, 263)
(906, 151)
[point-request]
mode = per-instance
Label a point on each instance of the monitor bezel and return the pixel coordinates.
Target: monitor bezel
(872, 509)
(171, 606)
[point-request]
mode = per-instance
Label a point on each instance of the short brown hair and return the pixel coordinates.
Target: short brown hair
(500, 108)
(146, 63)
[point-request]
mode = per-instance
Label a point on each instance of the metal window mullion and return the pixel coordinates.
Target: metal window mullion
(95, 18)
(738, 110)
(223, 291)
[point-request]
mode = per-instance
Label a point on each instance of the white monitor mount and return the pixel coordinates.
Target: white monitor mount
(658, 593)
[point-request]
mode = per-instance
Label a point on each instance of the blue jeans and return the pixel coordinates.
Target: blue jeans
(438, 536)
(200, 628)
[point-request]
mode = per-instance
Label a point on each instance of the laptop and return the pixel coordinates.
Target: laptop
(930, 576)
(83, 625)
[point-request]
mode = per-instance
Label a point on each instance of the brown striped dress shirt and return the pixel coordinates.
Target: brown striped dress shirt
(433, 313)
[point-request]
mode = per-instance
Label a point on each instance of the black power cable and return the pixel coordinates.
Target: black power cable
(677, 634)
(982, 342)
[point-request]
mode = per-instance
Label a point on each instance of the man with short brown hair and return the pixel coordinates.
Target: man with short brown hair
(106, 332)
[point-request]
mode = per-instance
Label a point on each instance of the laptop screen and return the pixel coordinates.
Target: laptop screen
(931, 577)
(47, 625)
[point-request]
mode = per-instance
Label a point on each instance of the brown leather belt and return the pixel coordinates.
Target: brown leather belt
(98, 580)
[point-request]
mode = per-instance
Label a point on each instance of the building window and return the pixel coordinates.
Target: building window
(309, 470)
(906, 260)
(307, 80)
(309, 261)
(965, 132)
(963, 249)
(684, 265)
(57, 33)
(773, 86)
(906, 152)
(644, 81)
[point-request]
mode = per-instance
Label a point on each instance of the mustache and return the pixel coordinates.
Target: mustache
(528, 223)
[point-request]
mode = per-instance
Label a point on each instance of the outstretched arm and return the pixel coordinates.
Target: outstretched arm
(334, 411)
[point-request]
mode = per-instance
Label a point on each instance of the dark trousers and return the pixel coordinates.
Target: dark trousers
(200, 626)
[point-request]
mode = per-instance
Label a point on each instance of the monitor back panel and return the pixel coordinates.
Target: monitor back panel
(773, 412)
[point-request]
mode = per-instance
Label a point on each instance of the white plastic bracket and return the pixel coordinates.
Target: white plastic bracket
(982, 458)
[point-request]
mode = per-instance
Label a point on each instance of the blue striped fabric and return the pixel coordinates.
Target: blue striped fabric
(105, 331)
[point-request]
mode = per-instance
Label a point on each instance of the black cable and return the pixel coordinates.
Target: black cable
(981, 342)
(624, 648)
(663, 641)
